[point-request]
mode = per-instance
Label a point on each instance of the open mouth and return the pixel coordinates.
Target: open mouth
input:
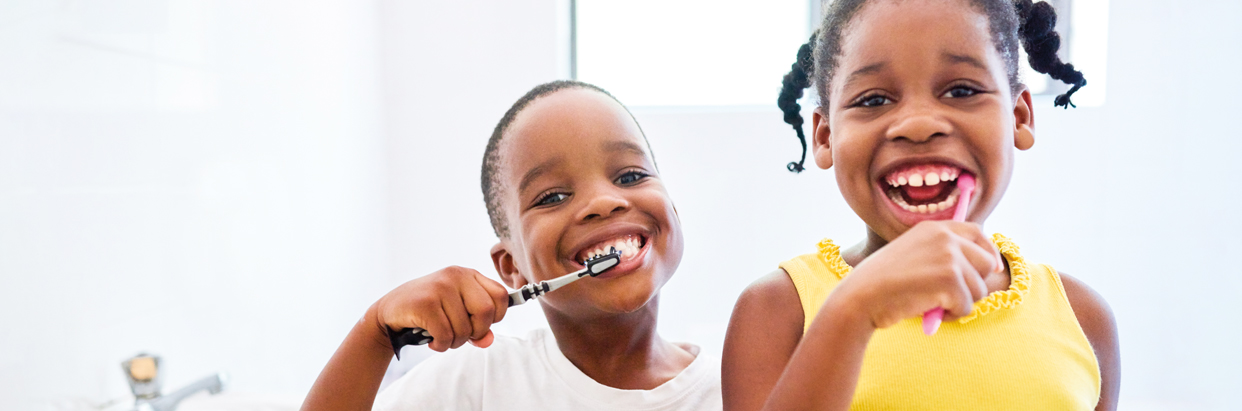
(629, 245)
(924, 188)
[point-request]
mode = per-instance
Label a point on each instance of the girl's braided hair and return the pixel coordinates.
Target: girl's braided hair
(1012, 23)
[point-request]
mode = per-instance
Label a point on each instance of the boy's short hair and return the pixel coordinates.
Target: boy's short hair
(492, 156)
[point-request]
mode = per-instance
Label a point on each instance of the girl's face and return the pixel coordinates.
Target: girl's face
(579, 178)
(920, 97)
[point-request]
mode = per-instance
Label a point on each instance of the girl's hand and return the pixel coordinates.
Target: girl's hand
(934, 264)
(455, 305)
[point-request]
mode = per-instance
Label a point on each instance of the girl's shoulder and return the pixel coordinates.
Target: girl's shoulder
(1096, 319)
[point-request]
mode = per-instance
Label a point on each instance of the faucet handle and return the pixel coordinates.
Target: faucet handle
(143, 373)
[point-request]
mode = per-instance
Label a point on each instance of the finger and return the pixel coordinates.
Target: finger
(458, 318)
(480, 306)
(437, 324)
(959, 300)
(484, 342)
(499, 295)
(981, 260)
(974, 233)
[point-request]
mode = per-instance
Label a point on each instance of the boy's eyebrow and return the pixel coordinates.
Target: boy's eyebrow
(961, 58)
(622, 145)
(536, 172)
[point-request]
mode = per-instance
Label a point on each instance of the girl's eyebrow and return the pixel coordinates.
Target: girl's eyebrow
(871, 69)
(962, 59)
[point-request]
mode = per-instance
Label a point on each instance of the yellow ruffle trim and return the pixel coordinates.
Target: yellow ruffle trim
(1019, 275)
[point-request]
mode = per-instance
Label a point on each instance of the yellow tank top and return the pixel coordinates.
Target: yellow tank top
(1021, 348)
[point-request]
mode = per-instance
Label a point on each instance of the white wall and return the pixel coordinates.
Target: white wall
(200, 179)
(1131, 197)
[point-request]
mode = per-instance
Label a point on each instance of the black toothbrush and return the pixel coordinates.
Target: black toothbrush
(594, 266)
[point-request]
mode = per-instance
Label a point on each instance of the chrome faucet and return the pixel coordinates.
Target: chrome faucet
(145, 380)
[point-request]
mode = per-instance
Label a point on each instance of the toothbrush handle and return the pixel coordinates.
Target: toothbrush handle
(933, 317)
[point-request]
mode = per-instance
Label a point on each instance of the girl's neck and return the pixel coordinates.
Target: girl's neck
(620, 350)
(864, 249)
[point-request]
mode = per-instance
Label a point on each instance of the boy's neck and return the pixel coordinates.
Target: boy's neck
(621, 350)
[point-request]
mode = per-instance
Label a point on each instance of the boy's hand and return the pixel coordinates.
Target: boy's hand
(934, 264)
(455, 305)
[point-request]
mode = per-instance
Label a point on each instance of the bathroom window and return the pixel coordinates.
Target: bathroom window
(688, 52)
(733, 53)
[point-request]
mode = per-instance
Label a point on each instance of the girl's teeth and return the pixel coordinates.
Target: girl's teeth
(916, 180)
(932, 179)
(901, 181)
(944, 176)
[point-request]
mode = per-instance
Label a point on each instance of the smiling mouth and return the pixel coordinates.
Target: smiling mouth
(629, 245)
(924, 188)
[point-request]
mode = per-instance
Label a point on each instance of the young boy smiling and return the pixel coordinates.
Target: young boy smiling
(567, 172)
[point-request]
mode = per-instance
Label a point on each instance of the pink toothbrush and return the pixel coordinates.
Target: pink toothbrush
(965, 183)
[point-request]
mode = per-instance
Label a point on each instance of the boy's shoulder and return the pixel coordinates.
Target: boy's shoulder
(530, 372)
(459, 378)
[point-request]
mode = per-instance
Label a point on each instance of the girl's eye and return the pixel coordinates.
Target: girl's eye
(551, 198)
(960, 91)
(874, 100)
(630, 178)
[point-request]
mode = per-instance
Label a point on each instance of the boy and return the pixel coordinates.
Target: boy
(567, 172)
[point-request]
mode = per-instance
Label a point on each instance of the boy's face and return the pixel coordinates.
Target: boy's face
(920, 96)
(577, 176)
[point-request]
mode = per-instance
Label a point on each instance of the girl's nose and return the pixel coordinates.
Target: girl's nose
(918, 123)
(603, 204)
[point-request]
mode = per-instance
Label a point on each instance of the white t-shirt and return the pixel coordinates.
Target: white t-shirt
(531, 373)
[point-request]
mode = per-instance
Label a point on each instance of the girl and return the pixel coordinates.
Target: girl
(567, 173)
(915, 95)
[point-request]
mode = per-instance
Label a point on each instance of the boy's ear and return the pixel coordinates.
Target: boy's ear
(820, 147)
(506, 267)
(1024, 121)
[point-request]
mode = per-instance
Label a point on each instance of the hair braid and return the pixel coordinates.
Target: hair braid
(792, 85)
(1041, 42)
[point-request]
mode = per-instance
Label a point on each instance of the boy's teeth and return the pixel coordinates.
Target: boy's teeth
(628, 246)
(932, 179)
(901, 181)
(944, 176)
(916, 180)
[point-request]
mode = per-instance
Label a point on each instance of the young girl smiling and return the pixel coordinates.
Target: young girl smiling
(915, 94)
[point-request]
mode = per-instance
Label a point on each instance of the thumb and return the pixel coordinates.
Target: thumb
(484, 342)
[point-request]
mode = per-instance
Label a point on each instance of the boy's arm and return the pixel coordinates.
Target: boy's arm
(1096, 320)
(353, 375)
(454, 305)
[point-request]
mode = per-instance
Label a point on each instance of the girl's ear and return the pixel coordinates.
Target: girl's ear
(821, 149)
(505, 266)
(1024, 121)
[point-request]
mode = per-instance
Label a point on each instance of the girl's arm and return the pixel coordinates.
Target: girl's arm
(769, 365)
(763, 333)
(765, 367)
(1096, 320)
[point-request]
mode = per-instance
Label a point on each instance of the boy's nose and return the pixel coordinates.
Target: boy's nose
(603, 205)
(919, 123)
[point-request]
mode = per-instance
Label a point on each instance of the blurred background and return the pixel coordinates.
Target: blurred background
(230, 184)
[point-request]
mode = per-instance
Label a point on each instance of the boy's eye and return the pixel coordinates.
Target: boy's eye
(960, 91)
(551, 198)
(630, 178)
